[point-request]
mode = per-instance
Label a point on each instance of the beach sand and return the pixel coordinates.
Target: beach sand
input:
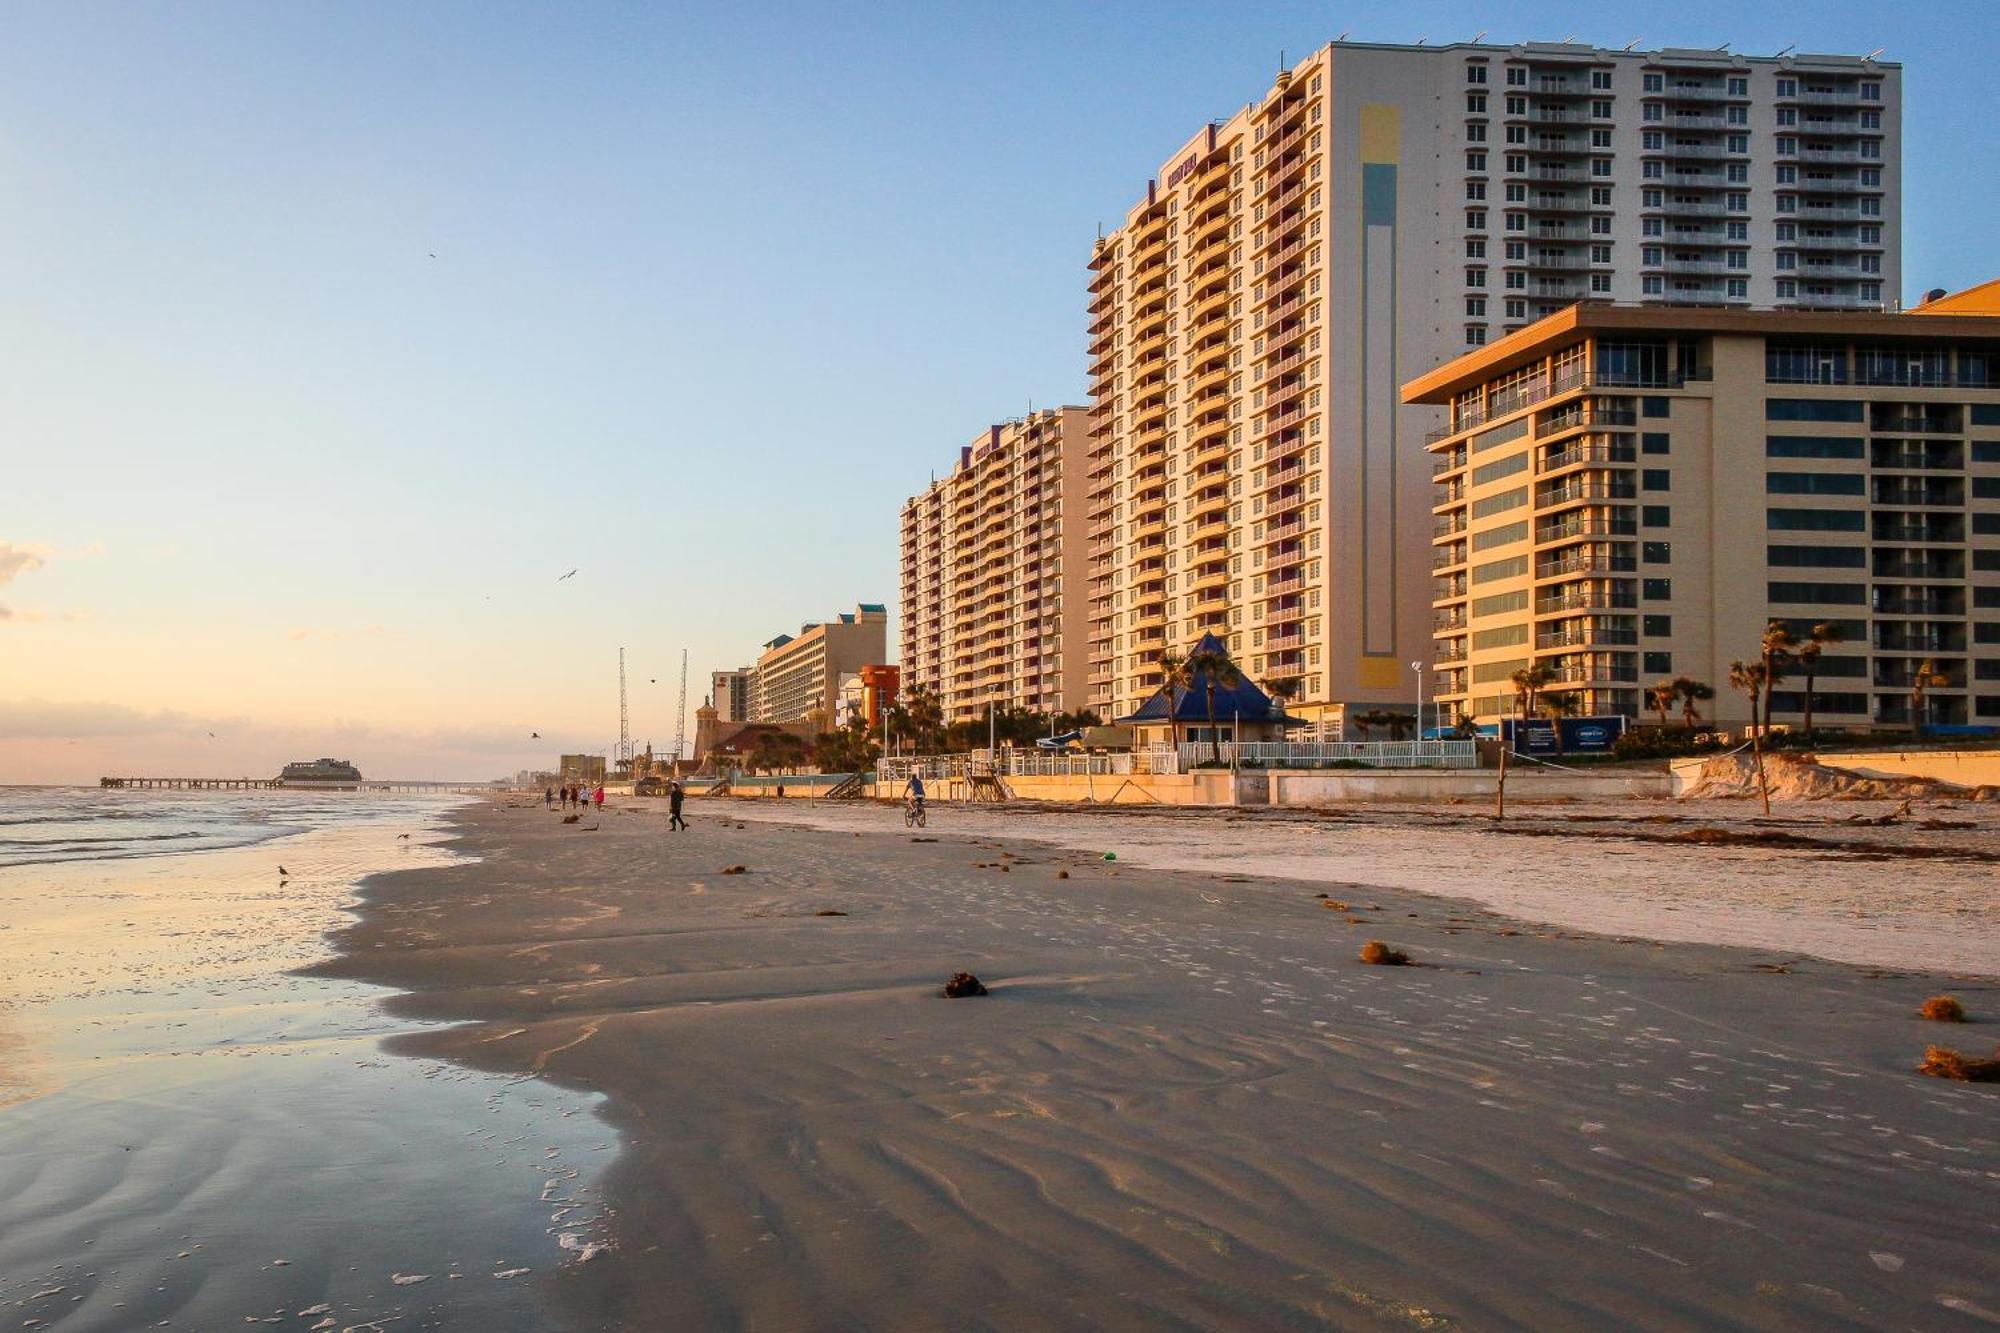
(1185, 1103)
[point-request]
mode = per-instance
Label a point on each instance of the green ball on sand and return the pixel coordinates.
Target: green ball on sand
(1111, 856)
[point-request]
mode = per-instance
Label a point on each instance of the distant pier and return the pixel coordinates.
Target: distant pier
(280, 784)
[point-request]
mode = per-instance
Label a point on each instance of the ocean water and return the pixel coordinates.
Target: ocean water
(194, 1135)
(42, 825)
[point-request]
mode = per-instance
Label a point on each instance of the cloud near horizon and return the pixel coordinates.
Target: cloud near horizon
(15, 561)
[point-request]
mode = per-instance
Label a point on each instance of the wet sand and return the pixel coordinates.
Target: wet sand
(194, 1137)
(1185, 1104)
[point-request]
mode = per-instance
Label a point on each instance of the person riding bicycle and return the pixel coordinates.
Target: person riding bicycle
(915, 790)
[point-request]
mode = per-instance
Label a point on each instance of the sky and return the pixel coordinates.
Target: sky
(332, 335)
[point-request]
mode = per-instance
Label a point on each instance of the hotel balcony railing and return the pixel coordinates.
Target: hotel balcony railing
(1850, 271)
(1809, 211)
(1586, 675)
(1849, 154)
(1921, 531)
(1451, 650)
(1452, 461)
(1450, 493)
(1445, 527)
(1451, 621)
(1586, 601)
(1844, 98)
(1714, 266)
(1828, 243)
(1448, 588)
(1691, 92)
(1573, 491)
(1575, 263)
(1917, 423)
(1692, 152)
(1527, 395)
(1919, 604)
(1691, 123)
(1919, 493)
(1690, 208)
(1916, 568)
(1829, 185)
(1447, 556)
(1570, 418)
(1587, 563)
(1897, 675)
(1571, 455)
(1562, 231)
(1584, 638)
(1912, 639)
(1833, 301)
(1700, 180)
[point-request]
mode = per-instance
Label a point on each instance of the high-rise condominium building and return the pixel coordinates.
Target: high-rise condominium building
(988, 553)
(730, 691)
(797, 678)
(1252, 470)
(1629, 495)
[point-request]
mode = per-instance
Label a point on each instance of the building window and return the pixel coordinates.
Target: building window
(1657, 627)
(1871, 92)
(1656, 553)
(1475, 189)
(1600, 79)
(1740, 231)
(1517, 76)
(1601, 226)
(1475, 219)
(1788, 87)
(1600, 282)
(1475, 73)
(1475, 131)
(1475, 104)
(1475, 248)
(1656, 479)
(1656, 516)
(1651, 285)
(1738, 86)
(1475, 277)
(1739, 289)
(1475, 307)
(1656, 83)
(1659, 664)
(1475, 160)
(1656, 590)
(1475, 335)
(1600, 254)
(1516, 309)
(1654, 406)
(1654, 442)
(1653, 111)
(1600, 138)
(1600, 110)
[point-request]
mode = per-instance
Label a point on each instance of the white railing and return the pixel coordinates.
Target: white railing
(1021, 763)
(1320, 754)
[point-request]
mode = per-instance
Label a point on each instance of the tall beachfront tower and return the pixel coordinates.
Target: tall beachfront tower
(1251, 470)
(990, 552)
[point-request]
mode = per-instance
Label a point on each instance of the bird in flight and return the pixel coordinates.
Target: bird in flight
(211, 735)
(570, 575)
(534, 735)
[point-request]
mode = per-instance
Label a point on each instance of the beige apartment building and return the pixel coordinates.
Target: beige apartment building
(798, 677)
(1252, 470)
(730, 693)
(988, 554)
(1629, 494)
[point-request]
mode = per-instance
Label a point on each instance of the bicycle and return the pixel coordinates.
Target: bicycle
(913, 814)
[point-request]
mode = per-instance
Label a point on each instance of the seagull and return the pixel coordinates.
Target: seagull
(211, 735)
(283, 871)
(534, 735)
(570, 575)
(404, 836)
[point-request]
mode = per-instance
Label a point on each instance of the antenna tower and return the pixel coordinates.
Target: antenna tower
(681, 726)
(624, 717)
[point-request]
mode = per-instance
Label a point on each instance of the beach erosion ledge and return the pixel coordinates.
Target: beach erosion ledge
(1185, 1100)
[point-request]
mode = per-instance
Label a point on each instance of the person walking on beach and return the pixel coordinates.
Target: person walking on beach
(674, 797)
(548, 798)
(597, 799)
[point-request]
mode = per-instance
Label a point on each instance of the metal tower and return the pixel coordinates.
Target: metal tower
(624, 718)
(681, 725)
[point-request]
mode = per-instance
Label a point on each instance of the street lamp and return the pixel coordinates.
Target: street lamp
(1418, 667)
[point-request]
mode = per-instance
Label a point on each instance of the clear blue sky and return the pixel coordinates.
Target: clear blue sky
(714, 289)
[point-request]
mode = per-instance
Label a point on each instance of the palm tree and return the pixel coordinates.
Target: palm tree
(1661, 698)
(1399, 724)
(1926, 676)
(1693, 693)
(1554, 706)
(924, 715)
(1528, 683)
(1807, 656)
(1776, 649)
(1749, 678)
(1216, 670)
(1176, 678)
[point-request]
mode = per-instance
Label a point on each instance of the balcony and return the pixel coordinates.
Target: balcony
(1919, 492)
(1700, 180)
(1585, 525)
(1690, 208)
(1588, 675)
(1586, 562)
(1586, 600)
(1924, 639)
(1554, 460)
(1695, 92)
(1835, 155)
(1447, 556)
(1577, 491)
(1586, 638)
(1898, 602)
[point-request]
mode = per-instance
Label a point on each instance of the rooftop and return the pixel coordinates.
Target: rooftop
(1589, 318)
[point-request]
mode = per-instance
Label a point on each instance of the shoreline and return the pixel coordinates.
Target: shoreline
(1183, 1104)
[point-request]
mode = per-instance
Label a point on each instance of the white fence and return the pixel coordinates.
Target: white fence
(1320, 754)
(1190, 755)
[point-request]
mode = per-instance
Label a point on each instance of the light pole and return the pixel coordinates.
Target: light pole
(1418, 667)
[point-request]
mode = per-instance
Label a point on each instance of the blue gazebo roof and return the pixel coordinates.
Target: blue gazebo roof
(1242, 702)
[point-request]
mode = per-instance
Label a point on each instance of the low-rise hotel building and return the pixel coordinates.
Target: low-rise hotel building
(1627, 494)
(989, 554)
(797, 678)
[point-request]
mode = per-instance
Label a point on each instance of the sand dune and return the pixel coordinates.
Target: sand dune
(1184, 1103)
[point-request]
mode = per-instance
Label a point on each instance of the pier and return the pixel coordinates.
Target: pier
(280, 784)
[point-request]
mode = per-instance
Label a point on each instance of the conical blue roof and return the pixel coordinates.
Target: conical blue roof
(1242, 702)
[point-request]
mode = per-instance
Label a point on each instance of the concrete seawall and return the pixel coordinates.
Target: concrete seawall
(1318, 787)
